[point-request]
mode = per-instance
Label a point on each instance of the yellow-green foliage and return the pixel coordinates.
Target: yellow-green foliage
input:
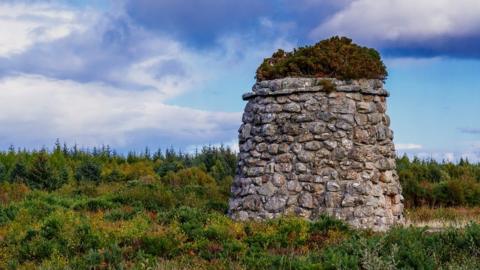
(137, 170)
(190, 176)
(170, 211)
(12, 193)
(433, 184)
(336, 57)
(49, 230)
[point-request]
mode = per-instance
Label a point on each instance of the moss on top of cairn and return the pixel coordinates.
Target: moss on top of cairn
(336, 57)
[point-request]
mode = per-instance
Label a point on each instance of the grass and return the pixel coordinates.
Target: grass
(442, 217)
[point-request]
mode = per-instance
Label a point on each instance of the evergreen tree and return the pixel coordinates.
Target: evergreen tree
(19, 173)
(3, 172)
(42, 175)
(89, 170)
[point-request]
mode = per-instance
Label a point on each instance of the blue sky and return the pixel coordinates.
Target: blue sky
(160, 73)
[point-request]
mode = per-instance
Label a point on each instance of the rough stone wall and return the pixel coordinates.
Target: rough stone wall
(307, 151)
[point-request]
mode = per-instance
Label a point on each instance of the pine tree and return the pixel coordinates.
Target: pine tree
(89, 170)
(41, 174)
(3, 172)
(19, 173)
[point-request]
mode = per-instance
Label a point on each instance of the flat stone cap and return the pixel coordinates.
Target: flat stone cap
(290, 85)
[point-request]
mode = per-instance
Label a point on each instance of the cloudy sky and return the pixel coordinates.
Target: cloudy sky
(160, 73)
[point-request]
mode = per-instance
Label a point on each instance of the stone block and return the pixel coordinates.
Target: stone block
(305, 152)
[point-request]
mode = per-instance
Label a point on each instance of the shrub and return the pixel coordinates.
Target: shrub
(164, 246)
(87, 239)
(137, 170)
(292, 232)
(51, 229)
(41, 244)
(114, 175)
(19, 172)
(151, 197)
(325, 223)
(12, 192)
(91, 260)
(94, 205)
(113, 257)
(336, 57)
(120, 214)
(43, 175)
(88, 170)
(191, 221)
(3, 172)
(7, 214)
(190, 176)
(168, 166)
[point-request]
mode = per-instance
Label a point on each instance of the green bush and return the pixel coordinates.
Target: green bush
(40, 207)
(91, 260)
(3, 172)
(428, 183)
(178, 221)
(151, 197)
(113, 257)
(19, 173)
(43, 175)
(95, 204)
(121, 214)
(114, 175)
(336, 57)
(190, 176)
(168, 166)
(87, 238)
(164, 246)
(7, 214)
(88, 170)
(40, 244)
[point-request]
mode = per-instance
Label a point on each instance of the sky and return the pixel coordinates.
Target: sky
(170, 73)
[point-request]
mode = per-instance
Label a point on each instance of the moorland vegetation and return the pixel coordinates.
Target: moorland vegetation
(68, 208)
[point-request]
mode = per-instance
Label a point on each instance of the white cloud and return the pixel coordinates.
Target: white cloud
(407, 146)
(36, 110)
(392, 20)
(95, 78)
(86, 45)
(111, 48)
(24, 25)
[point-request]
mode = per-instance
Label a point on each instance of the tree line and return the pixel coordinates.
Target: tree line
(424, 182)
(50, 169)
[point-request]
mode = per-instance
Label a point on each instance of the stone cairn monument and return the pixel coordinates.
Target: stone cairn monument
(317, 146)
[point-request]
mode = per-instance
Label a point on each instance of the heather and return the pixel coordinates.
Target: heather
(336, 57)
(66, 208)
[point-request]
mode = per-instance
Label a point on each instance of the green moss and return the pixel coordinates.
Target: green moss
(336, 57)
